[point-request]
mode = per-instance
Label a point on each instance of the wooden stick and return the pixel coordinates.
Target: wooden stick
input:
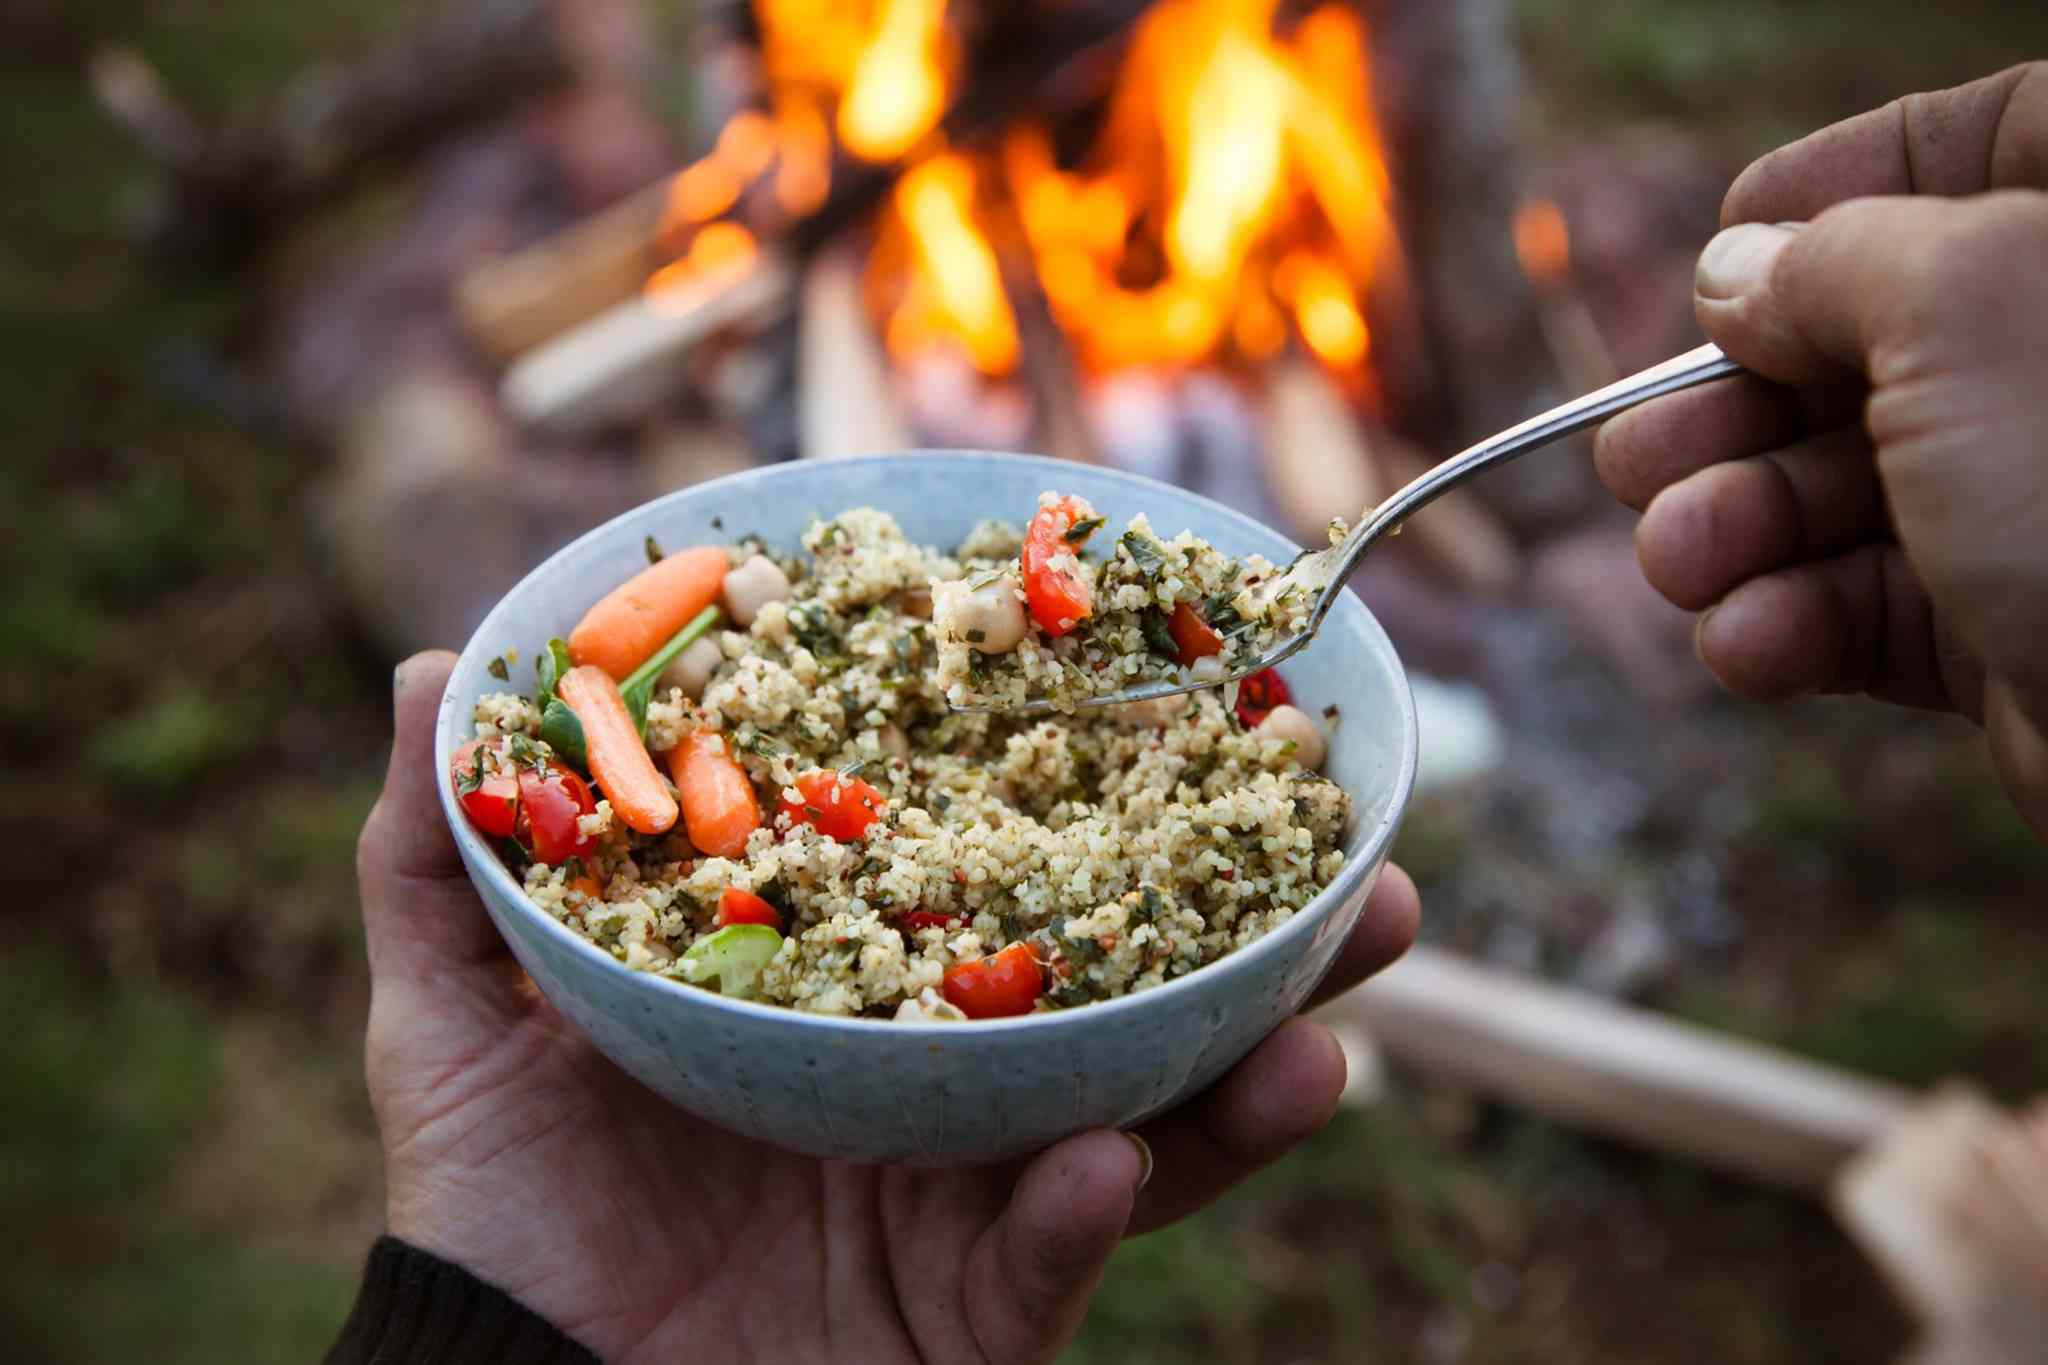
(844, 402)
(627, 361)
(1624, 1072)
(513, 302)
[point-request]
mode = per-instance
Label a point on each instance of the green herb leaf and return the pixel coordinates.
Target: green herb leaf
(561, 731)
(654, 551)
(1158, 635)
(496, 668)
(552, 663)
(1081, 530)
(638, 689)
(474, 778)
(1144, 554)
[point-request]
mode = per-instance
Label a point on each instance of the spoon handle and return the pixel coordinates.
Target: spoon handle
(1695, 367)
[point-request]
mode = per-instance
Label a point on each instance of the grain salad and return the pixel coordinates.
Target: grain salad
(1053, 623)
(741, 771)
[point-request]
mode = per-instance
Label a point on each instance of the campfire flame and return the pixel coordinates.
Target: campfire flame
(1235, 197)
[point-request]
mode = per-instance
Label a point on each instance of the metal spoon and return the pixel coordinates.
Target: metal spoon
(1325, 571)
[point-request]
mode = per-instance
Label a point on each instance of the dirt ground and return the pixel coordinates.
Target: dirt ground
(194, 728)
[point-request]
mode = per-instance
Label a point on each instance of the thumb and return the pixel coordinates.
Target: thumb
(1030, 1276)
(421, 916)
(1868, 281)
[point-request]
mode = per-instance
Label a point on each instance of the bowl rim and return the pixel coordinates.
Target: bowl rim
(481, 860)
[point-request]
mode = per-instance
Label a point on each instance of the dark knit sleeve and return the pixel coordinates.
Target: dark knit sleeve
(416, 1309)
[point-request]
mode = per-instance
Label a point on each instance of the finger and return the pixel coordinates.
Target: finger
(1385, 930)
(421, 916)
(1647, 449)
(1989, 134)
(1860, 622)
(1730, 522)
(1895, 289)
(1284, 1091)
(1030, 1276)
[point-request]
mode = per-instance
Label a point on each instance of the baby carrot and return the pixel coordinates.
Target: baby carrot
(719, 806)
(619, 762)
(640, 615)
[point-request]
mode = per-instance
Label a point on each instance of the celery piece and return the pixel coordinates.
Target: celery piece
(734, 955)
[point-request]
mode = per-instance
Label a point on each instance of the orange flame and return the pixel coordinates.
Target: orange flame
(899, 83)
(955, 291)
(1238, 186)
(1543, 242)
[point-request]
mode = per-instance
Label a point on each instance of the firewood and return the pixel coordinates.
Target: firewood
(1625, 1072)
(844, 400)
(1317, 461)
(1005, 71)
(230, 187)
(511, 303)
(627, 361)
(1324, 462)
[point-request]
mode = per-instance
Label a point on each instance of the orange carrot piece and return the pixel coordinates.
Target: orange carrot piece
(619, 762)
(719, 806)
(640, 615)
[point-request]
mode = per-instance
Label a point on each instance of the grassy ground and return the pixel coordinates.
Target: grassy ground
(187, 1166)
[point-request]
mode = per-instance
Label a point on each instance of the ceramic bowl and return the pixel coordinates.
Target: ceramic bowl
(877, 1091)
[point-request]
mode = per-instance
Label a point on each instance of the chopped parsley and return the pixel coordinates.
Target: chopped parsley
(653, 549)
(497, 669)
(1144, 554)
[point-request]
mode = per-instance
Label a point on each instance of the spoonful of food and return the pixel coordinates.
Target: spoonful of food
(1314, 580)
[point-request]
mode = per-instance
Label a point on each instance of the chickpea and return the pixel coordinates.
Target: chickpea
(990, 618)
(752, 586)
(691, 670)
(1291, 722)
(1153, 711)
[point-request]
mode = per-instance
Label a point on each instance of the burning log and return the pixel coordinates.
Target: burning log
(845, 404)
(230, 187)
(1024, 55)
(1323, 464)
(1543, 246)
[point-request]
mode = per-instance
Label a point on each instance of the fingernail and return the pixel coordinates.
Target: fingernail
(1738, 262)
(398, 679)
(1144, 1160)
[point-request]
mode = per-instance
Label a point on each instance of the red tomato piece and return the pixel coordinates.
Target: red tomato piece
(489, 795)
(835, 805)
(1059, 597)
(744, 907)
(1191, 634)
(932, 919)
(996, 987)
(1259, 694)
(551, 800)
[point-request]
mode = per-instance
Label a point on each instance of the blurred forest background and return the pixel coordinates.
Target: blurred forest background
(195, 728)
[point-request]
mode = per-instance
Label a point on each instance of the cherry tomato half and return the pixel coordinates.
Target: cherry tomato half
(996, 987)
(1058, 597)
(1191, 634)
(836, 805)
(550, 801)
(488, 795)
(744, 907)
(1259, 694)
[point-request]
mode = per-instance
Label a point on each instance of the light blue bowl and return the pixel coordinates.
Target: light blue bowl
(875, 1091)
